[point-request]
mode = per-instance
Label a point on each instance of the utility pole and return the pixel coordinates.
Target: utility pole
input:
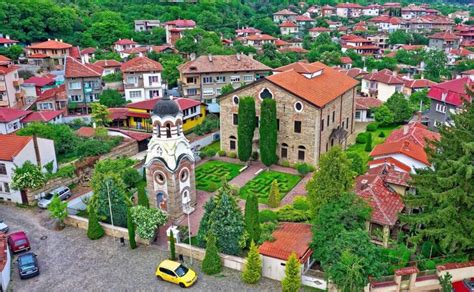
(110, 203)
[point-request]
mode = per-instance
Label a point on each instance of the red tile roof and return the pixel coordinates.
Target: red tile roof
(118, 113)
(414, 132)
(412, 47)
(57, 92)
(353, 72)
(4, 59)
(248, 30)
(366, 103)
(385, 203)
(303, 18)
(285, 12)
(300, 67)
(452, 266)
(86, 132)
(6, 69)
(452, 91)
(260, 37)
(108, 64)
(462, 52)
(318, 90)
(88, 51)
(405, 147)
(407, 271)
(141, 64)
(288, 24)
(182, 23)
(349, 5)
(447, 36)
(75, 69)
(40, 81)
(38, 56)
(9, 114)
(280, 43)
(183, 103)
(386, 169)
(136, 50)
(7, 41)
(12, 145)
(294, 50)
(122, 42)
(160, 49)
(289, 238)
(41, 116)
(419, 83)
(75, 53)
(346, 60)
(319, 29)
(389, 161)
(222, 63)
(50, 45)
(137, 136)
(384, 76)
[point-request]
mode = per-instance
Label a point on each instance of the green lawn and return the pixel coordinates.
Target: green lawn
(209, 175)
(360, 148)
(260, 185)
(216, 146)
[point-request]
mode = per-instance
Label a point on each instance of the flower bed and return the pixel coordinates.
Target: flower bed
(209, 175)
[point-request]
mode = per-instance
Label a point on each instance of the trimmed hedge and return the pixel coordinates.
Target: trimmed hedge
(361, 138)
(267, 216)
(372, 127)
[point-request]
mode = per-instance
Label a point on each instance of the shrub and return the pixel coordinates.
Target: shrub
(361, 138)
(429, 249)
(372, 127)
(211, 152)
(292, 280)
(301, 203)
(92, 147)
(368, 144)
(66, 171)
(285, 163)
(382, 134)
(304, 168)
(253, 267)
(212, 262)
(131, 231)
(202, 154)
(274, 196)
(289, 214)
(357, 165)
(172, 246)
(142, 197)
(221, 153)
(94, 229)
(252, 223)
(267, 231)
(267, 216)
(232, 155)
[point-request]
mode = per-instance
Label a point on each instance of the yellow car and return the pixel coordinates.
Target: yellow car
(176, 273)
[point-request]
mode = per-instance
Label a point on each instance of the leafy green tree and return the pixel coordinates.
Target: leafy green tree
(100, 114)
(357, 165)
(228, 88)
(28, 176)
(246, 127)
(131, 230)
(274, 195)
(292, 280)
(368, 144)
(384, 116)
(170, 63)
(268, 132)
(205, 224)
(253, 267)
(65, 140)
(333, 178)
(266, 25)
(445, 282)
(58, 210)
(445, 191)
(142, 197)
(94, 229)
(148, 220)
(418, 98)
(211, 263)
(399, 37)
(172, 246)
(252, 222)
(398, 105)
(436, 65)
(111, 98)
(12, 52)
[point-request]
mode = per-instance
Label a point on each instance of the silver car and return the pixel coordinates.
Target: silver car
(62, 192)
(3, 227)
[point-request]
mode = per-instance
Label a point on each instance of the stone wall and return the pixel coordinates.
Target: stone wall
(127, 148)
(33, 196)
(114, 231)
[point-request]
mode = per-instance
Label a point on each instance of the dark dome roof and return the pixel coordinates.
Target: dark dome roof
(166, 107)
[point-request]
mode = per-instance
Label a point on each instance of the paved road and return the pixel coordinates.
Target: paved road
(69, 261)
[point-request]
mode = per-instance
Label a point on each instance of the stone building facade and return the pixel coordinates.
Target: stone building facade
(308, 126)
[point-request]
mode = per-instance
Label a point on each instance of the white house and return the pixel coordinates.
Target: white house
(15, 151)
(142, 79)
(381, 84)
(364, 108)
(10, 119)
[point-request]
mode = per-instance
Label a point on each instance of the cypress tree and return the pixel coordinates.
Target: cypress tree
(274, 196)
(292, 280)
(252, 222)
(205, 223)
(253, 268)
(142, 197)
(246, 127)
(94, 229)
(212, 262)
(368, 144)
(268, 132)
(131, 230)
(172, 246)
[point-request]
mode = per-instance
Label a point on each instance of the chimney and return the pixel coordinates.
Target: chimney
(131, 39)
(405, 129)
(209, 57)
(7, 37)
(61, 40)
(192, 56)
(364, 184)
(238, 56)
(251, 55)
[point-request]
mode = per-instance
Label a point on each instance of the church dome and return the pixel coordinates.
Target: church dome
(166, 107)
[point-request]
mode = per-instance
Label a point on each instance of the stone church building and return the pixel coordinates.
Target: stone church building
(315, 110)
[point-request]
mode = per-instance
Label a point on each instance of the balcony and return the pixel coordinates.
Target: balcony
(130, 85)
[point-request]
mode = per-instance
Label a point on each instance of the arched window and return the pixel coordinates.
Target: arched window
(232, 143)
(183, 176)
(178, 126)
(168, 131)
(301, 152)
(284, 151)
(158, 130)
(185, 197)
(265, 93)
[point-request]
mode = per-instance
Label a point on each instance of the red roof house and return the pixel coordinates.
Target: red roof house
(141, 64)
(452, 92)
(43, 116)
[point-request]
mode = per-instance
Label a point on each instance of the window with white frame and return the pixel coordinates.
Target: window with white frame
(153, 79)
(75, 98)
(135, 94)
(218, 91)
(3, 169)
(220, 79)
(208, 91)
(192, 91)
(207, 79)
(235, 78)
(248, 78)
(45, 106)
(75, 85)
(6, 187)
(440, 108)
(132, 80)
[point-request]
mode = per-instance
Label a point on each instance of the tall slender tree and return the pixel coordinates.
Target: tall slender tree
(246, 127)
(292, 280)
(212, 262)
(252, 222)
(253, 268)
(268, 132)
(131, 230)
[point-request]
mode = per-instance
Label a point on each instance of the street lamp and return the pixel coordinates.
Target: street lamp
(188, 209)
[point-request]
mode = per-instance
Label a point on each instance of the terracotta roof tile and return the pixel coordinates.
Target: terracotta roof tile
(57, 93)
(285, 12)
(6, 69)
(182, 23)
(40, 81)
(222, 63)
(10, 114)
(12, 145)
(447, 36)
(452, 91)
(419, 83)
(50, 45)
(353, 72)
(41, 116)
(384, 76)
(86, 132)
(346, 60)
(405, 147)
(407, 271)
(367, 103)
(288, 24)
(414, 132)
(303, 18)
(118, 113)
(389, 161)
(125, 42)
(108, 64)
(141, 64)
(294, 50)
(260, 37)
(7, 41)
(75, 69)
(138, 136)
(289, 238)
(319, 29)
(88, 51)
(452, 266)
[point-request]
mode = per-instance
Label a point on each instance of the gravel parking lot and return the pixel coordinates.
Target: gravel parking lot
(70, 261)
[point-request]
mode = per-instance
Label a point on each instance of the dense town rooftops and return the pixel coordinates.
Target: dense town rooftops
(58, 92)
(446, 36)
(222, 63)
(40, 81)
(12, 145)
(122, 42)
(452, 91)
(50, 45)
(285, 12)
(149, 104)
(141, 64)
(384, 76)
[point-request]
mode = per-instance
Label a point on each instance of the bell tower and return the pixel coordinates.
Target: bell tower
(170, 162)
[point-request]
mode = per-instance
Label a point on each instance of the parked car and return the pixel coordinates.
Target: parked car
(28, 265)
(176, 273)
(466, 285)
(62, 192)
(3, 227)
(18, 242)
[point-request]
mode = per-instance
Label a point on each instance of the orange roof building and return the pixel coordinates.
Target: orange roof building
(50, 52)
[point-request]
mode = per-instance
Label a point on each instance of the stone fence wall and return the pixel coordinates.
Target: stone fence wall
(33, 196)
(231, 262)
(127, 148)
(114, 231)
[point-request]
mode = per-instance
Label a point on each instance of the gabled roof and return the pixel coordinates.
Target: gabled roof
(159, 49)
(141, 64)
(122, 42)
(452, 91)
(58, 92)
(260, 37)
(40, 81)
(108, 64)
(50, 45)
(135, 50)
(384, 76)
(366, 103)
(182, 23)
(353, 72)
(289, 238)
(319, 29)
(288, 24)
(447, 36)
(419, 83)
(285, 12)
(349, 5)
(414, 132)
(88, 51)
(318, 90)
(137, 136)
(346, 60)
(404, 147)
(6, 69)
(85, 132)
(280, 43)
(41, 116)
(412, 47)
(75, 69)
(461, 52)
(7, 41)
(4, 59)
(303, 18)
(389, 161)
(149, 104)
(12, 145)
(222, 63)
(10, 114)
(248, 30)
(294, 50)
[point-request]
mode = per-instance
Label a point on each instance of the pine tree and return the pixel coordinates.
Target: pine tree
(94, 229)
(131, 230)
(142, 197)
(292, 280)
(253, 268)
(205, 223)
(268, 132)
(446, 191)
(368, 144)
(252, 222)
(274, 196)
(172, 246)
(333, 178)
(212, 262)
(246, 127)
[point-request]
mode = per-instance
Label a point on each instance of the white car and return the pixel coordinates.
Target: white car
(3, 227)
(63, 193)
